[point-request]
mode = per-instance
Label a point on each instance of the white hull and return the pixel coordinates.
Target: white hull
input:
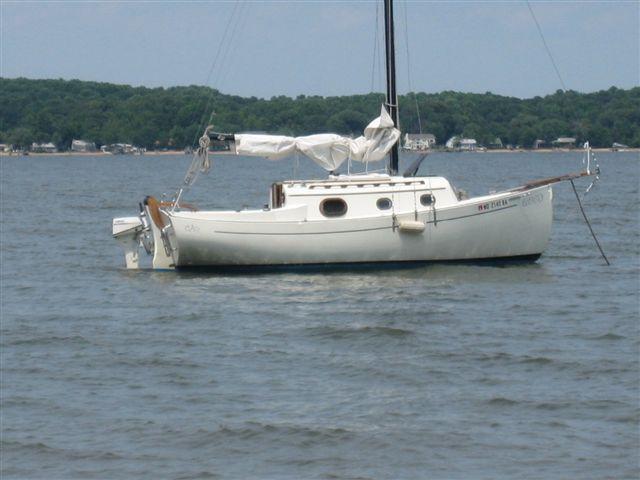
(383, 219)
(512, 225)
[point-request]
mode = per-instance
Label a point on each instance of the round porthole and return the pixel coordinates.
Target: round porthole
(384, 203)
(427, 199)
(333, 207)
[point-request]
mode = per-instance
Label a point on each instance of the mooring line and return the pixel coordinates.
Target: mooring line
(589, 223)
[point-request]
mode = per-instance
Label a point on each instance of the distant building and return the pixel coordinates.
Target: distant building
(468, 144)
(43, 147)
(82, 146)
(462, 144)
(539, 144)
(122, 149)
(113, 148)
(496, 143)
(564, 142)
(452, 143)
(4, 148)
(217, 145)
(419, 141)
(619, 146)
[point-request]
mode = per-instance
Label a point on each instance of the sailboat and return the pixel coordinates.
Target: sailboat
(371, 218)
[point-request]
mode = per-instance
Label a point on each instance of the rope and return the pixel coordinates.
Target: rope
(588, 223)
(203, 151)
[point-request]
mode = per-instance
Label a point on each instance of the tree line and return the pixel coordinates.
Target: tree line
(59, 111)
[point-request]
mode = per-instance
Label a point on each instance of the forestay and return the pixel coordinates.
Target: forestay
(328, 149)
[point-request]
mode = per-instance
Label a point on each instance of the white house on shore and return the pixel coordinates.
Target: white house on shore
(43, 147)
(419, 141)
(82, 146)
(462, 144)
(468, 144)
(564, 142)
(539, 143)
(122, 149)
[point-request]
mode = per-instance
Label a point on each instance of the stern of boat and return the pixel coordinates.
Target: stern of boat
(152, 231)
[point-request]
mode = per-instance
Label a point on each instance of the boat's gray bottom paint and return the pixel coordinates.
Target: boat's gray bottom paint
(351, 266)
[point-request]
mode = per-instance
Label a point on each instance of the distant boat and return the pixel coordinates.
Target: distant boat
(342, 219)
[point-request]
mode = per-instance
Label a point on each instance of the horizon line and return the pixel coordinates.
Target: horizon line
(295, 96)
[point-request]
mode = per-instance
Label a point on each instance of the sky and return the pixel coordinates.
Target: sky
(270, 48)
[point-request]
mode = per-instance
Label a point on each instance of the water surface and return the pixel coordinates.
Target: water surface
(441, 371)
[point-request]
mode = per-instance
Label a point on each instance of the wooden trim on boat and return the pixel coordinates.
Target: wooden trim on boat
(324, 193)
(188, 206)
(154, 210)
(548, 181)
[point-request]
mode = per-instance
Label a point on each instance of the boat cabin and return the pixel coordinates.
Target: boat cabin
(362, 196)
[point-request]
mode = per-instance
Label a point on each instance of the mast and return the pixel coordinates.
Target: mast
(392, 97)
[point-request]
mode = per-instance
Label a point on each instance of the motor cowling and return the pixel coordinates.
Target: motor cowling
(127, 231)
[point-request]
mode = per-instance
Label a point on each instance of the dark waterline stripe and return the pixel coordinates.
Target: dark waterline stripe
(374, 265)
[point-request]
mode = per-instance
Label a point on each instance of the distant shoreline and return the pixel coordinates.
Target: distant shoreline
(92, 154)
(180, 152)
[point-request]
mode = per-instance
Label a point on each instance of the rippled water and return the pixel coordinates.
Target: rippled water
(441, 371)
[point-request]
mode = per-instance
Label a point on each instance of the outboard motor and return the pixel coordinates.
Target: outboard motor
(127, 231)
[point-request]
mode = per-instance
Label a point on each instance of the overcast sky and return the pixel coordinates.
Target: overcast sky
(324, 48)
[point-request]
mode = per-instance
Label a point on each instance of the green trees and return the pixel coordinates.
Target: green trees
(61, 110)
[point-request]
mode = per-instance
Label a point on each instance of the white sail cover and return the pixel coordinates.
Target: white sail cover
(327, 149)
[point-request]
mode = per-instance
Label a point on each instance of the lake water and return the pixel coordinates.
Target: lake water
(440, 372)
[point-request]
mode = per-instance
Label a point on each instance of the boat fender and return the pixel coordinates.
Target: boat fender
(411, 226)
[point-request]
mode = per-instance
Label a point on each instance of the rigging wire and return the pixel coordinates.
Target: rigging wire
(381, 51)
(564, 89)
(546, 46)
(203, 123)
(240, 22)
(406, 44)
(378, 48)
(375, 48)
(382, 71)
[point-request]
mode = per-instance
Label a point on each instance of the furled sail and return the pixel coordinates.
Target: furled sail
(328, 149)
